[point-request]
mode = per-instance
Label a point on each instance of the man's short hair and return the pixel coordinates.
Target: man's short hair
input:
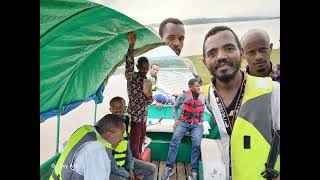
(117, 99)
(192, 81)
(142, 60)
(108, 123)
(217, 29)
(198, 78)
(166, 21)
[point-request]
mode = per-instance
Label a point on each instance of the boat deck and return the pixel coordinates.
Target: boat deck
(181, 170)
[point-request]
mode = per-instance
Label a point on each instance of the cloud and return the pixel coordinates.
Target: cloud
(154, 11)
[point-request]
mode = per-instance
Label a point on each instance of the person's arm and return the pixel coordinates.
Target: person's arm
(93, 162)
(149, 99)
(147, 91)
(115, 168)
(176, 106)
(129, 159)
(129, 72)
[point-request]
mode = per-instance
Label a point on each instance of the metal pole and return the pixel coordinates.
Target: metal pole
(58, 134)
(95, 113)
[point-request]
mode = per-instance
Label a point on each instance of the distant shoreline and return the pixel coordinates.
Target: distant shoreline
(219, 20)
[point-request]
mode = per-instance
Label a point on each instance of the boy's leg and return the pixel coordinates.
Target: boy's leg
(143, 128)
(134, 141)
(145, 169)
(196, 136)
(177, 136)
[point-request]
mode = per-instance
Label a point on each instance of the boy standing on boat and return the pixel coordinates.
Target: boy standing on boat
(140, 95)
(192, 103)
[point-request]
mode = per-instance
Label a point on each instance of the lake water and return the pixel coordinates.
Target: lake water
(84, 114)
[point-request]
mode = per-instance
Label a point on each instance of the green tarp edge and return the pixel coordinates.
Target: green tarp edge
(81, 48)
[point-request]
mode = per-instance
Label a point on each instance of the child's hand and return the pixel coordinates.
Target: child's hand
(131, 39)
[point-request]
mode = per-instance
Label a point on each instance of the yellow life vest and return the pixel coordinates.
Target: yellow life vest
(120, 152)
(64, 164)
(251, 137)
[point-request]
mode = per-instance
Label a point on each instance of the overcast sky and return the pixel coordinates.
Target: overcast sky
(154, 11)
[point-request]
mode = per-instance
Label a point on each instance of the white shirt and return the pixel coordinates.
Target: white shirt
(92, 161)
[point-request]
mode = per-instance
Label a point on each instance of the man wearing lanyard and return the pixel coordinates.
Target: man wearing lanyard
(246, 109)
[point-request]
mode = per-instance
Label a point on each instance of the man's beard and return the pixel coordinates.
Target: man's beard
(225, 77)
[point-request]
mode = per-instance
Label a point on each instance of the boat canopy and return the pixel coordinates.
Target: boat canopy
(81, 44)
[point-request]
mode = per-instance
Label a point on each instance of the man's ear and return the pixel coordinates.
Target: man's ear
(204, 61)
(271, 45)
(106, 135)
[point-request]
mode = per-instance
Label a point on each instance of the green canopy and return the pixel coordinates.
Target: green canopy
(81, 44)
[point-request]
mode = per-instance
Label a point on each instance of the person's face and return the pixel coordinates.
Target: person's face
(222, 55)
(257, 52)
(173, 36)
(116, 135)
(143, 68)
(154, 70)
(195, 88)
(117, 108)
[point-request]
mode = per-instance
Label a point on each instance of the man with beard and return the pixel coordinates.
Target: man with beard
(246, 109)
(257, 48)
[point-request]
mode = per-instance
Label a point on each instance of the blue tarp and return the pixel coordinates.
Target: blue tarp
(98, 98)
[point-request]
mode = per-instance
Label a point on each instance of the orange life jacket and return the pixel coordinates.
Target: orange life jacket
(192, 110)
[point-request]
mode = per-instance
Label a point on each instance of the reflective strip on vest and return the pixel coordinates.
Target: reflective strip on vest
(252, 133)
(63, 168)
(205, 89)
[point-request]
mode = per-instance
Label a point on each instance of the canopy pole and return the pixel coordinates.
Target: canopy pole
(58, 133)
(95, 113)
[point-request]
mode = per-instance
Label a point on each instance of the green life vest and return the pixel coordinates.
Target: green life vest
(64, 167)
